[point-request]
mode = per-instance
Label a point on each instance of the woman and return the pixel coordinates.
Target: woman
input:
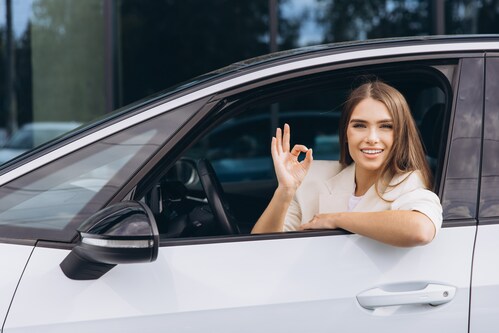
(379, 188)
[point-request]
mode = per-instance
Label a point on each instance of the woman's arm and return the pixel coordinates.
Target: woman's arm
(272, 219)
(290, 173)
(395, 227)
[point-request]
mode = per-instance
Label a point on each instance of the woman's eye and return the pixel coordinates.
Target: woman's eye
(358, 125)
(388, 126)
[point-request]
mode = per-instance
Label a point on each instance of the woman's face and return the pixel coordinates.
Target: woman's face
(370, 135)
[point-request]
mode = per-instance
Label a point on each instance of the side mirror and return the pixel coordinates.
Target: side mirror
(125, 232)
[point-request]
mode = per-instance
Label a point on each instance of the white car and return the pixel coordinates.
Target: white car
(123, 226)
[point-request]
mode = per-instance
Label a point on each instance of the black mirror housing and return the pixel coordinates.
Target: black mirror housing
(123, 233)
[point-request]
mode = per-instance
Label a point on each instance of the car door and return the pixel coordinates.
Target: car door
(485, 286)
(319, 281)
(14, 258)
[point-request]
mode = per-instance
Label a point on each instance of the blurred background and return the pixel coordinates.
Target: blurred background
(66, 62)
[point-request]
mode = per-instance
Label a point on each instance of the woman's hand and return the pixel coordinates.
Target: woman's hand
(320, 221)
(289, 171)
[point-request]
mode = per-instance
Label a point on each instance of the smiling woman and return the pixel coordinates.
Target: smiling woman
(379, 189)
(370, 140)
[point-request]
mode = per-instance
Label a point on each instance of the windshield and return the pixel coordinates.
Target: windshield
(50, 202)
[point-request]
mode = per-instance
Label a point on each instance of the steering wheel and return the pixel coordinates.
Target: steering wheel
(215, 196)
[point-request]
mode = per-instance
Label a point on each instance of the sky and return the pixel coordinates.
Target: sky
(21, 13)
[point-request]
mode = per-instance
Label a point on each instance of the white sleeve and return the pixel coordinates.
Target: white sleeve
(293, 216)
(423, 201)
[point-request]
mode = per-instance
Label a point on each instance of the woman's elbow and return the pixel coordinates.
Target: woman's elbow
(422, 239)
(424, 233)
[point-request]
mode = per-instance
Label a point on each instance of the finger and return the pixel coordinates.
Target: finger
(307, 162)
(297, 149)
(278, 136)
(305, 226)
(286, 138)
(273, 148)
(309, 224)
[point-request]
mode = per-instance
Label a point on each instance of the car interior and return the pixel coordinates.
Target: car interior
(222, 182)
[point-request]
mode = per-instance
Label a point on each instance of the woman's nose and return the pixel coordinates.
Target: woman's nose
(372, 136)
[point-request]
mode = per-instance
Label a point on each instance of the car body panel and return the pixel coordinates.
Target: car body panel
(291, 285)
(14, 258)
(484, 316)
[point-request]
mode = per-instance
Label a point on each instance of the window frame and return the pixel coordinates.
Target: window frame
(226, 100)
(491, 113)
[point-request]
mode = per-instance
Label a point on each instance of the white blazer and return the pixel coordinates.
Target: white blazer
(327, 188)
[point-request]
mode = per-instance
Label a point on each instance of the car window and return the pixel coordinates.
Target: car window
(489, 194)
(238, 145)
(239, 148)
(72, 187)
(50, 202)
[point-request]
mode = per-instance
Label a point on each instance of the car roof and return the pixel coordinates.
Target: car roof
(317, 50)
(490, 42)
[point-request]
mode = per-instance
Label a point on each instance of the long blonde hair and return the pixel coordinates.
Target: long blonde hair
(407, 153)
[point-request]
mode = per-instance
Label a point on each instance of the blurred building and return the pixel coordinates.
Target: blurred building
(74, 60)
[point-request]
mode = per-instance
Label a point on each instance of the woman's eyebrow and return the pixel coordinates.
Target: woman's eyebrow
(358, 121)
(382, 121)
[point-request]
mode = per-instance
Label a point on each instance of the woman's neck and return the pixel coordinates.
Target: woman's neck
(364, 179)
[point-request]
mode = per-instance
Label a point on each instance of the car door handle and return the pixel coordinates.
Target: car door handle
(432, 294)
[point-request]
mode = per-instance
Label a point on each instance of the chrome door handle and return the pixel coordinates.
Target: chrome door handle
(433, 294)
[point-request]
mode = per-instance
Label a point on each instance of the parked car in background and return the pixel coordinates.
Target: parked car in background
(33, 135)
(124, 226)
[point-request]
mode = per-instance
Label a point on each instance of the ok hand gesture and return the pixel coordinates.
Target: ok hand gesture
(289, 171)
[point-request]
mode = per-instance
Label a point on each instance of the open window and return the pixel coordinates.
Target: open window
(236, 141)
